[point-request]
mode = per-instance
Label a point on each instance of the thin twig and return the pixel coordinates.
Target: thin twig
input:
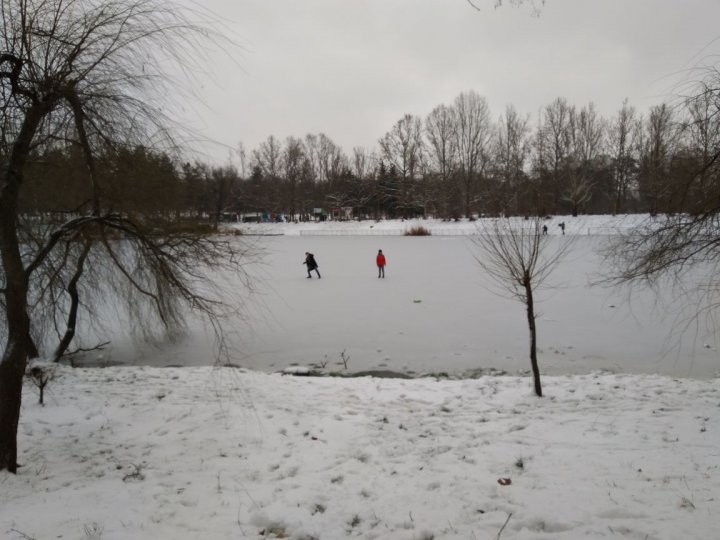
(503, 527)
(23, 535)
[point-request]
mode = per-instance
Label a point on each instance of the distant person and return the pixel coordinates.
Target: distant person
(544, 229)
(380, 259)
(562, 226)
(311, 264)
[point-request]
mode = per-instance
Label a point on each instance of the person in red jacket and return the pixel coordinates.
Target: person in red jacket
(380, 259)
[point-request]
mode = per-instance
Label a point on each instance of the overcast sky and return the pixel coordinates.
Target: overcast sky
(352, 68)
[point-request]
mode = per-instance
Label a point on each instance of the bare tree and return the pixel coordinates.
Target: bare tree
(702, 133)
(578, 189)
(326, 159)
(312, 155)
(42, 374)
(363, 163)
(660, 140)
(402, 149)
(473, 131)
(242, 157)
(94, 73)
(223, 181)
(268, 157)
(512, 149)
(587, 134)
(553, 145)
(622, 143)
(516, 257)
(293, 166)
(331, 159)
(440, 133)
(587, 137)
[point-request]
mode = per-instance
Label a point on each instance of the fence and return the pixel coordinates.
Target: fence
(383, 232)
(571, 231)
(352, 232)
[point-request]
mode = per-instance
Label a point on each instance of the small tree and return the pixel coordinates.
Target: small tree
(41, 374)
(515, 256)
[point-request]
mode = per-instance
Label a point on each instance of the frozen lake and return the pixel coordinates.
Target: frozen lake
(435, 312)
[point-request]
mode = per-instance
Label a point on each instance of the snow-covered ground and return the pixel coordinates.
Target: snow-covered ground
(190, 453)
(141, 452)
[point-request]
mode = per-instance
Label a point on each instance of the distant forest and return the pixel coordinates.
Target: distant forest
(459, 161)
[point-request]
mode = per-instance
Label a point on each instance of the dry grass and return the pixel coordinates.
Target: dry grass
(417, 230)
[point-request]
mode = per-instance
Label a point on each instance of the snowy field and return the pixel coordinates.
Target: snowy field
(195, 453)
(625, 444)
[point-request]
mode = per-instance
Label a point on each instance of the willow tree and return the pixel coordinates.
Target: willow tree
(98, 75)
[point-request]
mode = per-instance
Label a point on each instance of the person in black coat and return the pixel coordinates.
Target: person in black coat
(311, 264)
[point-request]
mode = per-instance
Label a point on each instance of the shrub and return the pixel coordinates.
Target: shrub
(417, 230)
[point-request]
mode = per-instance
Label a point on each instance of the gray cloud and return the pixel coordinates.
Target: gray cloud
(351, 68)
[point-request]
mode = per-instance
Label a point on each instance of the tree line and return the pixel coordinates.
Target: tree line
(458, 161)
(455, 162)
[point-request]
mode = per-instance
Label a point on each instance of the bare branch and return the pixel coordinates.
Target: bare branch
(79, 350)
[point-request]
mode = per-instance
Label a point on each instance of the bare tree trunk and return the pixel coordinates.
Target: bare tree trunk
(617, 204)
(32, 348)
(11, 376)
(74, 303)
(533, 336)
(468, 183)
(14, 358)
